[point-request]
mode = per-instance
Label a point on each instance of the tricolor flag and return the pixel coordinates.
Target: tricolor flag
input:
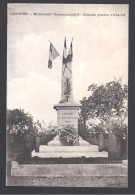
(65, 53)
(52, 55)
(70, 53)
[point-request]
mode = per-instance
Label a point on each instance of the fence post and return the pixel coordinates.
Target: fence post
(101, 142)
(37, 143)
(112, 146)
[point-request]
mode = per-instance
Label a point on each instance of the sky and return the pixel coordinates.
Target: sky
(100, 52)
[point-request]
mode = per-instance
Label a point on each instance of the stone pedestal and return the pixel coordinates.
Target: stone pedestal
(67, 114)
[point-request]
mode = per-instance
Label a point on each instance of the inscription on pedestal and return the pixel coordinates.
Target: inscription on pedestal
(67, 117)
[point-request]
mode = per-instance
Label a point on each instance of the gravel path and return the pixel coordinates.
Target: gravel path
(120, 182)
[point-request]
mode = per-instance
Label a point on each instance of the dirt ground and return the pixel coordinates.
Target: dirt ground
(83, 181)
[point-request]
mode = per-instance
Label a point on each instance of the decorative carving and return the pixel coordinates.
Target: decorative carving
(68, 87)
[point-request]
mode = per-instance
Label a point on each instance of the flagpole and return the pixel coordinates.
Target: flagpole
(66, 63)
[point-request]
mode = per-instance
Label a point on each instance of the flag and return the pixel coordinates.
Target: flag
(52, 55)
(70, 53)
(65, 53)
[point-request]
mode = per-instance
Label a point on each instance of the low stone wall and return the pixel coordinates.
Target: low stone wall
(56, 170)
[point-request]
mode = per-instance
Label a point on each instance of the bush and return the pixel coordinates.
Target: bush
(49, 135)
(82, 130)
(68, 136)
(119, 137)
(23, 133)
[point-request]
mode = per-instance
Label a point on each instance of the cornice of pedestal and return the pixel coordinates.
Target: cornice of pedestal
(67, 106)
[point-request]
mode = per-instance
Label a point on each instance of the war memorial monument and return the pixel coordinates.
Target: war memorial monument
(67, 115)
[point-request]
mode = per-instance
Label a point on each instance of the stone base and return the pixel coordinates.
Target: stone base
(68, 152)
(51, 149)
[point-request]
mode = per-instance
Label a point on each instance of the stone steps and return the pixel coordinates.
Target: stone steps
(90, 148)
(69, 154)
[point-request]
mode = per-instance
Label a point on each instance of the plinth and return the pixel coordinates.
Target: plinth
(67, 114)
